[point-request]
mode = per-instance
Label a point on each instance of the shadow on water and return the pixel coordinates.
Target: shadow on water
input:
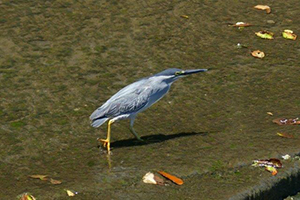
(151, 139)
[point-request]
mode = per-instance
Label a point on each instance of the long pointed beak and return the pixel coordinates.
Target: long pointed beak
(193, 71)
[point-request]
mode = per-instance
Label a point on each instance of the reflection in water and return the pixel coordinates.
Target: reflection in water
(109, 160)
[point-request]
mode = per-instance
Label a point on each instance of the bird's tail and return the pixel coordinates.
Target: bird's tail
(98, 122)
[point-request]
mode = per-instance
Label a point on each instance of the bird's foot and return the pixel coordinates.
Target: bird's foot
(106, 143)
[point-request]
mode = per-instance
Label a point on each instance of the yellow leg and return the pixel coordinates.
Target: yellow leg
(106, 142)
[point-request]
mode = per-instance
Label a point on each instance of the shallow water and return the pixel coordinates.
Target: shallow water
(60, 60)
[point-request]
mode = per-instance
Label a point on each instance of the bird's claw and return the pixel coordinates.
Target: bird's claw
(104, 141)
(106, 144)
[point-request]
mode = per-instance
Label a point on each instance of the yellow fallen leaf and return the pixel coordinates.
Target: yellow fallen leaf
(263, 7)
(258, 54)
(70, 193)
(184, 16)
(55, 182)
(271, 169)
(42, 177)
(265, 35)
(289, 34)
(269, 113)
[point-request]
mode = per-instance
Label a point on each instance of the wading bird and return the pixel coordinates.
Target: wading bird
(135, 98)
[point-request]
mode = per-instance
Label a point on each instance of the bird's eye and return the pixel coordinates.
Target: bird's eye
(178, 73)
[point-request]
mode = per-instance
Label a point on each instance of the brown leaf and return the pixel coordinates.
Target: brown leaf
(276, 162)
(285, 121)
(159, 181)
(263, 7)
(258, 54)
(42, 177)
(285, 135)
(55, 182)
(273, 162)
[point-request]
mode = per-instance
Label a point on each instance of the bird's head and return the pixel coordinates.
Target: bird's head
(173, 74)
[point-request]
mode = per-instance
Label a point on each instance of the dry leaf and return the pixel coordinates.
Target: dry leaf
(42, 177)
(184, 16)
(263, 7)
(25, 196)
(276, 162)
(149, 178)
(159, 181)
(176, 180)
(70, 193)
(258, 54)
(269, 113)
(285, 135)
(273, 162)
(271, 169)
(265, 35)
(285, 121)
(289, 34)
(286, 157)
(55, 182)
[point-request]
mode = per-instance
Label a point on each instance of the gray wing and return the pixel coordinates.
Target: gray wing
(129, 100)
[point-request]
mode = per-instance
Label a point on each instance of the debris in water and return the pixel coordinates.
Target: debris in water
(258, 54)
(70, 193)
(269, 113)
(263, 7)
(25, 196)
(265, 35)
(273, 162)
(149, 178)
(269, 164)
(159, 181)
(285, 121)
(41, 177)
(271, 21)
(239, 46)
(184, 16)
(174, 179)
(153, 179)
(55, 182)
(286, 157)
(285, 135)
(289, 34)
(271, 169)
(241, 24)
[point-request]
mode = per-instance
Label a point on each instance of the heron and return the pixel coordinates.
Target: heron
(135, 98)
